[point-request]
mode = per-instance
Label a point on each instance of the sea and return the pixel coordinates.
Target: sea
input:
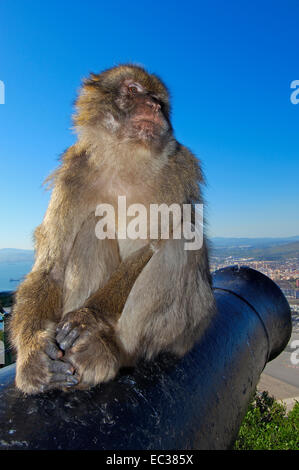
(11, 274)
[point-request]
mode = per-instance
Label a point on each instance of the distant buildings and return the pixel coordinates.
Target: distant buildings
(284, 272)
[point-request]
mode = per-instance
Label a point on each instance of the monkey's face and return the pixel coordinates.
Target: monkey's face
(127, 102)
(143, 118)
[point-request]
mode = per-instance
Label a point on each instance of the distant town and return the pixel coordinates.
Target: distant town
(282, 269)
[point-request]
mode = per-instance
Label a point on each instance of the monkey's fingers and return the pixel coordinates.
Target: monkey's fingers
(53, 351)
(63, 328)
(74, 326)
(67, 337)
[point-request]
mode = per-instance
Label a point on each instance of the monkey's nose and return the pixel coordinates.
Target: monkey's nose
(154, 105)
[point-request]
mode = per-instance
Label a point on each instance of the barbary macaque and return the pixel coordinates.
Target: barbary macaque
(92, 305)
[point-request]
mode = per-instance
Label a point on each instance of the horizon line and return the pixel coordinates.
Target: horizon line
(212, 237)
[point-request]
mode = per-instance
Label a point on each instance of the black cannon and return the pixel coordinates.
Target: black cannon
(197, 402)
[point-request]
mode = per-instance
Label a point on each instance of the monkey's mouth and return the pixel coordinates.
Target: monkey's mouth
(147, 115)
(146, 129)
(148, 123)
(152, 119)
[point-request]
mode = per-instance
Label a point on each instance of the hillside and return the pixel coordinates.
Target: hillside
(15, 255)
(261, 251)
(252, 242)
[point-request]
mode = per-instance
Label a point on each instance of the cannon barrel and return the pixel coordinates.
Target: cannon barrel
(197, 402)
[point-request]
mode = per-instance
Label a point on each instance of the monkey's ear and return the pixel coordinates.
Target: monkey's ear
(94, 76)
(91, 81)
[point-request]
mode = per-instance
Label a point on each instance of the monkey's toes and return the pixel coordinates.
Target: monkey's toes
(53, 351)
(61, 372)
(60, 367)
(61, 376)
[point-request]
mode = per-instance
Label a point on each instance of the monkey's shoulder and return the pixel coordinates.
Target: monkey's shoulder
(73, 170)
(186, 164)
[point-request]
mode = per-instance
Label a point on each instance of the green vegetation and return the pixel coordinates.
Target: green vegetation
(267, 426)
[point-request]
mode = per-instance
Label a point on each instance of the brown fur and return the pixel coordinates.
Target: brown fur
(109, 301)
(70, 304)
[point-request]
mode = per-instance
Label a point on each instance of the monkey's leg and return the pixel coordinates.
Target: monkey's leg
(32, 331)
(170, 304)
(87, 335)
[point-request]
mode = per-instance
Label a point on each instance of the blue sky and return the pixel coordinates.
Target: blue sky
(228, 64)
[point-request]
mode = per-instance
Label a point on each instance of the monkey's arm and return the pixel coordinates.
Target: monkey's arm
(170, 304)
(108, 302)
(38, 304)
(87, 335)
(32, 327)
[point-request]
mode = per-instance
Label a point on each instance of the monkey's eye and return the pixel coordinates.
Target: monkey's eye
(134, 88)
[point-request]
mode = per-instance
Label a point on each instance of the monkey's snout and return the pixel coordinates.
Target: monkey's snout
(148, 111)
(154, 105)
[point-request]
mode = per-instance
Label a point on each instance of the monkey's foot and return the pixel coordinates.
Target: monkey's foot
(41, 369)
(90, 347)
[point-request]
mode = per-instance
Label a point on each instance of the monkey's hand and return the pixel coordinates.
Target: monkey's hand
(40, 369)
(89, 346)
